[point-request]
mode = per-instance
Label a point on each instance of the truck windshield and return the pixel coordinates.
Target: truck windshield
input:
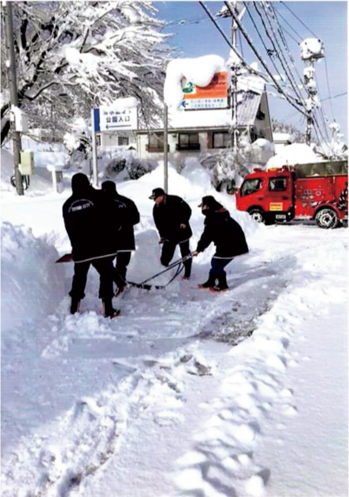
(251, 186)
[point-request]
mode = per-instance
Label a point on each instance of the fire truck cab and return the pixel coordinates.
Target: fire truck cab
(279, 195)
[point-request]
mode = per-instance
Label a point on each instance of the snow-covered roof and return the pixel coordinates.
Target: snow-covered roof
(247, 107)
(281, 137)
(200, 72)
(290, 155)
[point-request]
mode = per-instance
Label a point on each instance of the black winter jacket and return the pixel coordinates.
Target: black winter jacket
(85, 217)
(225, 233)
(169, 215)
(125, 235)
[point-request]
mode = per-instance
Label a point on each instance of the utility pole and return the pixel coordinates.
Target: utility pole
(239, 10)
(11, 64)
(166, 148)
(312, 50)
(94, 148)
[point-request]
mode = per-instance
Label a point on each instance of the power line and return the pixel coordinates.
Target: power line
(288, 71)
(322, 114)
(300, 20)
(277, 86)
(328, 88)
(288, 24)
(336, 96)
(185, 22)
(221, 31)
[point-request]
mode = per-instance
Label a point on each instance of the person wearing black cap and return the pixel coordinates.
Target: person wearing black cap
(171, 216)
(227, 235)
(125, 239)
(84, 215)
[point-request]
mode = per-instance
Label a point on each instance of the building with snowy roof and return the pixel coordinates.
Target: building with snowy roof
(201, 111)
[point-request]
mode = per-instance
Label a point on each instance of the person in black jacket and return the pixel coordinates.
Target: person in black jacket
(84, 214)
(125, 242)
(227, 235)
(171, 217)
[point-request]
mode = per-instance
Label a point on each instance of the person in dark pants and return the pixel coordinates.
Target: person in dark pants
(227, 235)
(84, 214)
(125, 243)
(171, 216)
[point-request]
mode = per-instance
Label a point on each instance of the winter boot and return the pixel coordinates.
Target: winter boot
(108, 309)
(208, 284)
(74, 306)
(217, 289)
(222, 284)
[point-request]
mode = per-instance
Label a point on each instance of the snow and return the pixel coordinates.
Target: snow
(296, 153)
(186, 393)
(311, 48)
(199, 71)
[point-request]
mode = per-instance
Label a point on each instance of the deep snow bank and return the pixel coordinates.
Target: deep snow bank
(32, 285)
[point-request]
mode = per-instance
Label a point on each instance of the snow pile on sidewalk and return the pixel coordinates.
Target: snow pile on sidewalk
(32, 285)
(159, 402)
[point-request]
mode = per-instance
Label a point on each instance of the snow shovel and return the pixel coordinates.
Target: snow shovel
(160, 287)
(65, 258)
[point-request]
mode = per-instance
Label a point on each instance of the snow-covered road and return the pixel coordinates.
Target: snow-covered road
(186, 393)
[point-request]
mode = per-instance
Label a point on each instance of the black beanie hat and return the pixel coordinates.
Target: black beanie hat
(80, 183)
(211, 203)
(109, 186)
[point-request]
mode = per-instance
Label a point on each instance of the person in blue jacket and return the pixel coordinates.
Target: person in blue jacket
(229, 238)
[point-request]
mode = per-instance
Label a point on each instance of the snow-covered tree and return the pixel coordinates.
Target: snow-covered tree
(71, 56)
(282, 127)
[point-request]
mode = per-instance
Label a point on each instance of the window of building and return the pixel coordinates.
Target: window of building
(155, 142)
(188, 141)
(260, 115)
(253, 135)
(277, 184)
(123, 140)
(221, 140)
(251, 186)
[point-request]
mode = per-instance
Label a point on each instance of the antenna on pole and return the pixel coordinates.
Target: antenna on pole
(312, 50)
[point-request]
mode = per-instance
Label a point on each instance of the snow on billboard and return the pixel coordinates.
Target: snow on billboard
(212, 96)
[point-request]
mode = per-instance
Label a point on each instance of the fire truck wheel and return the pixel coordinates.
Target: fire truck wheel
(326, 218)
(258, 215)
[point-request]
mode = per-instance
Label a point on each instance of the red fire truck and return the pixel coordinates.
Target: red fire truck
(300, 192)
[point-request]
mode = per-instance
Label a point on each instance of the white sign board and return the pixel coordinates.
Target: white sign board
(212, 96)
(118, 117)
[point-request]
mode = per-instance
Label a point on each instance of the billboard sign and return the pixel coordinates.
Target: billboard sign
(119, 116)
(212, 96)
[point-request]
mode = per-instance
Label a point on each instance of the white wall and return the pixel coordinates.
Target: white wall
(174, 156)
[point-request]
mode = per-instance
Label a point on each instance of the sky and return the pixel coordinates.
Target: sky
(327, 21)
(187, 392)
